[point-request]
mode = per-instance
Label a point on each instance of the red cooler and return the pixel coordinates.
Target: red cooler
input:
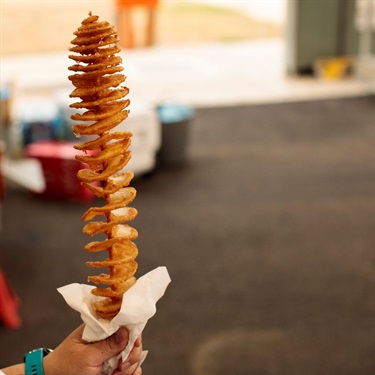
(60, 170)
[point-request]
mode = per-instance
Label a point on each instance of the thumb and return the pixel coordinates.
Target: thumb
(112, 345)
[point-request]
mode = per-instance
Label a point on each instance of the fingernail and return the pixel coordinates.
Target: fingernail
(138, 342)
(121, 335)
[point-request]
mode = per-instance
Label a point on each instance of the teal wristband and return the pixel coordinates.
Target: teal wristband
(34, 361)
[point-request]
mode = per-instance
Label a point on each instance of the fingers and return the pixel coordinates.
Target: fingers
(128, 371)
(138, 342)
(135, 354)
(76, 335)
(121, 336)
(132, 364)
(131, 369)
(112, 345)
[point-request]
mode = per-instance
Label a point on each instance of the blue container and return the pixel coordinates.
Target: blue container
(175, 122)
(40, 121)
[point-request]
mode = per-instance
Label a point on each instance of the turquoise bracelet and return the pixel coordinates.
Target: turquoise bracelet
(34, 361)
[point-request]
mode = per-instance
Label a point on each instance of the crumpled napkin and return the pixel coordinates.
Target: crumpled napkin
(138, 305)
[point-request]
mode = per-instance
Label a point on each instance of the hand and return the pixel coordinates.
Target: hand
(131, 365)
(75, 356)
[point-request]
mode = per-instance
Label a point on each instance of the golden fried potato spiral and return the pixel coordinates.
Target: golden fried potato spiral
(97, 81)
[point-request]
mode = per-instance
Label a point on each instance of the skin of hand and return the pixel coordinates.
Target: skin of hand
(131, 365)
(75, 356)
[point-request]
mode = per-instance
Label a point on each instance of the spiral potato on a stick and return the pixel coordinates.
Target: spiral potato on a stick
(97, 80)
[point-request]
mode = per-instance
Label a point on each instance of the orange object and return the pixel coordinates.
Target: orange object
(129, 3)
(125, 22)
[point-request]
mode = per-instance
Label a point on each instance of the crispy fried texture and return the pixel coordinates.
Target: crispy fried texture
(97, 78)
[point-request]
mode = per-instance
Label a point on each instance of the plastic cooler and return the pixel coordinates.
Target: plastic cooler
(59, 170)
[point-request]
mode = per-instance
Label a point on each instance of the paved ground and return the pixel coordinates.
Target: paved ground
(267, 234)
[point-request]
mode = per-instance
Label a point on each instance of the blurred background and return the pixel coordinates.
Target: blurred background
(253, 152)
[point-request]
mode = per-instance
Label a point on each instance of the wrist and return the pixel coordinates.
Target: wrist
(18, 369)
(48, 365)
(34, 361)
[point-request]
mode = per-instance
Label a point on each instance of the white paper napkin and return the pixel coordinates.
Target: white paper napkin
(138, 306)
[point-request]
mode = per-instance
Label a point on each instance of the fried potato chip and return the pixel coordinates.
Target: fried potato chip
(113, 166)
(93, 38)
(101, 111)
(101, 126)
(97, 81)
(117, 216)
(113, 184)
(95, 58)
(116, 200)
(110, 151)
(109, 292)
(89, 88)
(112, 95)
(123, 251)
(89, 49)
(102, 140)
(127, 234)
